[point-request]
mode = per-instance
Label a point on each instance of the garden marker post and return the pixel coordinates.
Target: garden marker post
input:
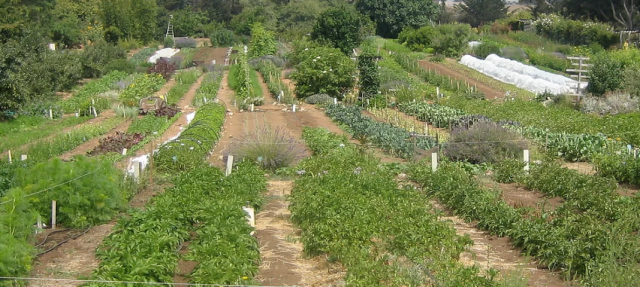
(526, 160)
(434, 161)
(10, 161)
(50, 113)
(124, 151)
(335, 101)
(229, 165)
(294, 108)
(137, 166)
(437, 92)
(251, 107)
(53, 214)
(23, 157)
(39, 225)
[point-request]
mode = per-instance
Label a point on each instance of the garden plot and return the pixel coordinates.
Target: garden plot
(522, 76)
(164, 53)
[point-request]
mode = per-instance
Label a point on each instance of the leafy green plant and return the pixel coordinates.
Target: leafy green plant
(483, 143)
(244, 82)
(209, 87)
(142, 87)
(392, 139)
(485, 49)
(90, 95)
(168, 42)
(319, 99)
(263, 41)
(142, 56)
(369, 80)
(324, 71)
(91, 193)
(184, 80)
(341, 27)
(271, 75)
(508, 171)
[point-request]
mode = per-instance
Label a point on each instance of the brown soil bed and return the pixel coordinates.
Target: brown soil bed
(488, 91)
(206, 55)
(91, 144)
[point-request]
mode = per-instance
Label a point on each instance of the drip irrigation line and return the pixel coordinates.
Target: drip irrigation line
(47, 236)
(57, 185)
(133, 282)
(64, 241)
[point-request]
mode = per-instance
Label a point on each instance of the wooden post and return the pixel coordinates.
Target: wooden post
(229, 165)
(526, 160)
(434, 161)
(53, 215)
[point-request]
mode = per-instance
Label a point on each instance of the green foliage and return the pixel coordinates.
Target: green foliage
(608, 71)
(391, 17)
(321, 141)
(203, 202)
(90, 194)
(341, 27)
(263, 42)
(82, 100)
(574, 32)
(209, 87)
(480, 12)
(622, 166)
(271, 75)
(142, 56)
(269, 148)
(369, 80)
(244, 82)
(450, 39)
(486, 49)
(168, 42)
(189, 22)
(324, 71)
(631, 81)
(95, 57)
(508, 171)
(146, 125)
(369, 224)
(16, 229)
(297, 18)
(18, 133)
(221, 37)
(437, 115)
(549, 61)
(184, 80)
(120, 65)
(129, 19)
(318, 99)
(394, 140)
(190, 149)
(140, 88)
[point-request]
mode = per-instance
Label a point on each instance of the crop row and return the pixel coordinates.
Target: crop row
(396, 141)
(184, 81)
(209, 87)
(351, 210)
(271, 74)
(244, 82)
(574, 237)
(142, 86)
(18, 137)
(89, 95)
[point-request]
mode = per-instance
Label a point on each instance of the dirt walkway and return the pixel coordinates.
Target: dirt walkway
(76, 258)
(281, 252)
(488, 91)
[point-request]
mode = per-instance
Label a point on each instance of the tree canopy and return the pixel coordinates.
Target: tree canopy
(391, 16)
(340, 27)
(479, 12)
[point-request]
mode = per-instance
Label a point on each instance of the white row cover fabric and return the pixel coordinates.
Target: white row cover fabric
(164, 53)
(522, 76)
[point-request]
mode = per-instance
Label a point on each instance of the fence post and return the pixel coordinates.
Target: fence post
(53, 214)
(229, 165)
(434, 161)
(526, 160)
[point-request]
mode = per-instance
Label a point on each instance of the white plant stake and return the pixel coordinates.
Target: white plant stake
(335, 101)
(252, 107)
(10, 161)
(124, 151)
(53, 214)
(137, 166)
(23, 157)
(229, 165)
(526, 160)
(294, 108)
(51, 114)
(434, 161)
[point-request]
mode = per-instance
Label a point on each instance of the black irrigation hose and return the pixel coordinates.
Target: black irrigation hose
(47, 236)
(63, 242)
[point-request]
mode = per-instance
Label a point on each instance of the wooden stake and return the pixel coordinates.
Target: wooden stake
(229, 165)
(53, 215)
(434, 162)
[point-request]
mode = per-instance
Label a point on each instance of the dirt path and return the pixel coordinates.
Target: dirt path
(76, 258)
(281, 252)
(489, 92)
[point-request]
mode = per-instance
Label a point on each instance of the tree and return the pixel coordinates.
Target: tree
(369, 75)
(479, 12)
(258, 13)
(341, 27)
(297, 18)
(324, 70)
(391, 16)
(187, 23)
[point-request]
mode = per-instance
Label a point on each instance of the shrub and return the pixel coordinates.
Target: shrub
(263, 41)
(271, 149)
(120, 65)
(631, 80)
(483, 142)
(499, 28)
(450, 39)
(508, 171)
(164, 68)
(369, 80)
(605, 74)
(95, 57)
(549, 61)
(324, 71)
(513, 53)
(222, 37)
(90, 194)
(485, 49)
(319, 99)
(611, 104)
(168, 42)
(575, 32)
(142, 56)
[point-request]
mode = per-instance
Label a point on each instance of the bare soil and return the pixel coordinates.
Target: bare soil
(581, 167)
(283, 263)
(489, 92)
(206, 55)
(518, 196)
